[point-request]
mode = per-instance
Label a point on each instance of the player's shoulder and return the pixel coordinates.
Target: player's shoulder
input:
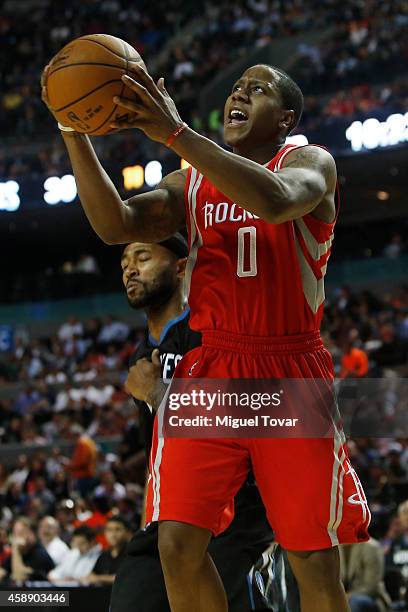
(182, 334)
(310, 155)
(313, 157)
(175, 180)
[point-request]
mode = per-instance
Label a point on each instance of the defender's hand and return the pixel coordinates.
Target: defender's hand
(156, 113)
(143, 377)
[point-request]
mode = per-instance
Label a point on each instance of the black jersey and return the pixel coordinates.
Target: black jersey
(176, 340)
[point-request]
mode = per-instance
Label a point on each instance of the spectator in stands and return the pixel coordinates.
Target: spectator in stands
(117, 534)
(83, 463)
(43, 495)
(397, 557)
(109, 487)
(391, 351)
(28, 559)
(354, 362)
(48, 533)
(72, 328)
(80, 560)
(362, 571)
(65, 516)
(113, 330)
(96, 515)
(55, 462)
(394, 249)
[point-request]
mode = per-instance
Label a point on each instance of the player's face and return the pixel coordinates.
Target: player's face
(149, 273)
(253, 112)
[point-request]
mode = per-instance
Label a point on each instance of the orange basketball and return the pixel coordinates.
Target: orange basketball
(84, 77)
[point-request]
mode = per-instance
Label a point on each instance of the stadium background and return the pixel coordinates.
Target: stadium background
(66, 331)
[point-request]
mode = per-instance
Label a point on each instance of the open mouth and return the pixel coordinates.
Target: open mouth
(237, 117)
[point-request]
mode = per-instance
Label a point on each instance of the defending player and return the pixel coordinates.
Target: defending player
(153, 277)
(261, 222)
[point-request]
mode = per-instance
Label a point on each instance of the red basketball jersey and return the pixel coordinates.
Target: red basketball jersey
(247, 276)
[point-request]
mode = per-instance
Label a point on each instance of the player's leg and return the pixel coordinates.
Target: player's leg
(191, 578)
(191, 488)
(314, 501)
(318, 576)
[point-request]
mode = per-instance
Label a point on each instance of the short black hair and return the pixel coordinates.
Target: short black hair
(121, 520)
(85, 531)
(291, 94)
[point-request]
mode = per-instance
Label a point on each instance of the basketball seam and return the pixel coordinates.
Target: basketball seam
(86, 64)
(96, 42)
(58, 110)
(121, 94)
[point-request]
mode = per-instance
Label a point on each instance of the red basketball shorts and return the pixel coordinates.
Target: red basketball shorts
(311, 493)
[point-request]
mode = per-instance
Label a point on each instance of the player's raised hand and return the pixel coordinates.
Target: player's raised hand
(155, 112)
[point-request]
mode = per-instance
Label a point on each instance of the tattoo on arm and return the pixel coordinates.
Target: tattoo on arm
(313, 158)
(304, 159)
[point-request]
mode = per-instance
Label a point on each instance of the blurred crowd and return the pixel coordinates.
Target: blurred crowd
(74, 379)
(367, 45)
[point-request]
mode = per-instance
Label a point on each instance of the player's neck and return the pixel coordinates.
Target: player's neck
(262, 155)
(159, 316)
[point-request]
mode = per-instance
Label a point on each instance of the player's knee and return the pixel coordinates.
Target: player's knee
(319, 567)
(178, 548)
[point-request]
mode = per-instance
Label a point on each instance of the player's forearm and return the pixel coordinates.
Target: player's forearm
(99, 197)
(247, 183)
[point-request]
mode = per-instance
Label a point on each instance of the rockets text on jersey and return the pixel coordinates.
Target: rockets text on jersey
(248, 276)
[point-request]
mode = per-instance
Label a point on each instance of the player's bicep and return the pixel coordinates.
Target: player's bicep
(156, 215)
(309, 175)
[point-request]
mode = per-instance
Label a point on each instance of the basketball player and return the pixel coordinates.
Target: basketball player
(153, 277)
(261, 221)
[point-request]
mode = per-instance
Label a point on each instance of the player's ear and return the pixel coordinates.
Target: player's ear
(181, 266)
(286, 120)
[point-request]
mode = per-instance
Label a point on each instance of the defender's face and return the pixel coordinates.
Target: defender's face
(253, 110)
(149, 273)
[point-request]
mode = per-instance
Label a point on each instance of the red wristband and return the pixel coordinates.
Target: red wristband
(175, 134)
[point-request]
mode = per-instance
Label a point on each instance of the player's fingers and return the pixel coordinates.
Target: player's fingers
(161, 87)
(140, 89)
(146, 80)
(127, 124)
(129, 104)
(156, 357)
(134, 85)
